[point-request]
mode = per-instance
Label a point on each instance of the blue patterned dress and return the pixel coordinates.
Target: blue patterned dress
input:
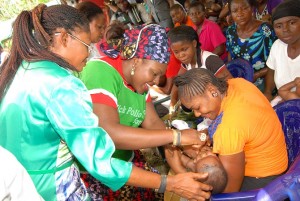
(254, 49)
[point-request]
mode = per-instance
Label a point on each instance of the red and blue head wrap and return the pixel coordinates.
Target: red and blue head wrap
(146, 42)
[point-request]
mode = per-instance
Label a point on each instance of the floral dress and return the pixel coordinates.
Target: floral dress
(254, 49)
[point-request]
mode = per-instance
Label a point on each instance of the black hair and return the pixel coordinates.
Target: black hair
(195, 81)
(184, 33)
(217, 176)
(89, 9)
(32, 36)
(197, 4)
(115, 30)
(252, 3)
(177, 7)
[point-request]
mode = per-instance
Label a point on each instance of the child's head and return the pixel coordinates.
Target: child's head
(184, 43)
(177, 13)
(217, 176)
(286, 21)
(197, 13)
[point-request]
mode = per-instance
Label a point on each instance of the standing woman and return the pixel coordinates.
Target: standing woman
(187, 49)
(120, 92)
(46, 113)
(249, 38)
(97, 23)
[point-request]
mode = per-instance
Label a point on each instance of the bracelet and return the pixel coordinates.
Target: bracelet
(163, 184)
(176, 137)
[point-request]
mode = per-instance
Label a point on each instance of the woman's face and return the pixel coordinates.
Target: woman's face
(197, 15)
(78, 49)
(97, 27)
(146, 74)
(287, 29)
(177, 16)
(204, 105)
(241, 12)
(184, 51)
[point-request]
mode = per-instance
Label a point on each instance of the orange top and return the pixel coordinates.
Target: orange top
(188, 22)
(250, 124)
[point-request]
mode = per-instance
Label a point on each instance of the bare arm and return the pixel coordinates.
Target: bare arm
(261, 73)
(152, 120)
(269, 84)
(187, 185)
(126, 137)
(174, 91)
(235, 168)
(224, 73)
(285, 91)
(219, 50)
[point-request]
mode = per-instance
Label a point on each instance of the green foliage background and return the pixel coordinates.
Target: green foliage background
(11, 8)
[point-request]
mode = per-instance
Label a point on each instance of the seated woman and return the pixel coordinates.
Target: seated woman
(286, 67)
(246, 132)
(120, 93)
(249, 38)
(210, 34)
(186, 47)
(263, 9)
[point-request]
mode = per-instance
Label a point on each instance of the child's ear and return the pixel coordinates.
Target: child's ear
(194, 43)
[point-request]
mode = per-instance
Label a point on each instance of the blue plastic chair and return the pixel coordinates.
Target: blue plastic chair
(241, 68)
(288, 184)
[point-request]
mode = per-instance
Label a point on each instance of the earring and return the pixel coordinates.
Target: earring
(214, 94)
(132, 70)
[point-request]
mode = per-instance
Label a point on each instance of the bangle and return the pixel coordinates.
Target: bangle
(163, 184)
(176, 137)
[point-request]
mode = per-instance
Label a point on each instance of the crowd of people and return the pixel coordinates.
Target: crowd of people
(76, 108)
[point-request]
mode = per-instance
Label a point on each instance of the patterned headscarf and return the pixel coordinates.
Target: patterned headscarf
(146, 42)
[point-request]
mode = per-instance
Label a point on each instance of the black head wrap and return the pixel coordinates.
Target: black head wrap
(286, 8)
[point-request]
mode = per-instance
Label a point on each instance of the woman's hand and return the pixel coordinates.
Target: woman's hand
(194, 137)
(189, 185)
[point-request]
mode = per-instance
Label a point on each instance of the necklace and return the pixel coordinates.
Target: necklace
(263, 13)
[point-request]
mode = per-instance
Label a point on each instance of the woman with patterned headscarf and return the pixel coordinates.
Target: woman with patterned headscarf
(119, 87)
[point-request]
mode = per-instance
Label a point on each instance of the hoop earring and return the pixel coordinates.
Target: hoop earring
(214, 94)
(132, 70)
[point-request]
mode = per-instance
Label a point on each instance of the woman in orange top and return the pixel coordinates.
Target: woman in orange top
(246, 132)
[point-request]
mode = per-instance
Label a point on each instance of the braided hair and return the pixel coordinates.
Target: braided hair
(195, 81)
(32, 36)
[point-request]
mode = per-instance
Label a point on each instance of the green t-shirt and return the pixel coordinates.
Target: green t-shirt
(107, 86)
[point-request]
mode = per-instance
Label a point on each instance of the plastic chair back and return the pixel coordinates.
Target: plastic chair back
(241, 68)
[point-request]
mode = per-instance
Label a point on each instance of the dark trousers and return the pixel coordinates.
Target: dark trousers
(251, 183)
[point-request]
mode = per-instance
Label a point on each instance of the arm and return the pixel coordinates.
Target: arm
(219, 50)
(285, 91)
(152, 120)
(125, 137)
(261, 73)
(269, 84)
(167, 88)
(224, 73)
(186, 185)
(235, 168)
(174, 92)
